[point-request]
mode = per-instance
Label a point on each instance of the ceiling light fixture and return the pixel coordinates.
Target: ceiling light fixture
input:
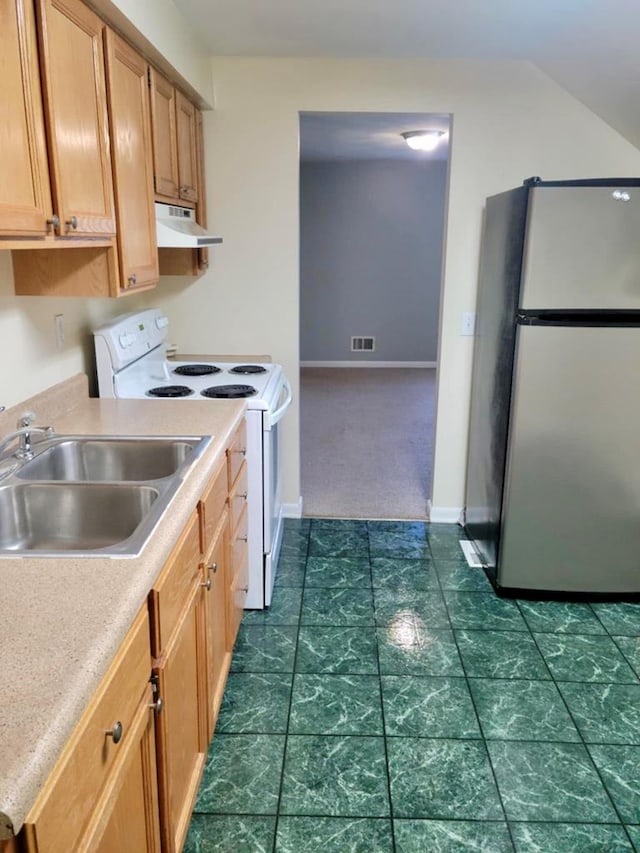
(423, 140)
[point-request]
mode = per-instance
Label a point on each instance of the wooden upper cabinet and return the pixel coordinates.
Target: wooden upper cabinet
(25, 201)
(175, 155)
(187, 157)
(76, 111)
(130, 126)
(165, 143)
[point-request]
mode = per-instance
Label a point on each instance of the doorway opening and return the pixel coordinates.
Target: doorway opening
(372, 222)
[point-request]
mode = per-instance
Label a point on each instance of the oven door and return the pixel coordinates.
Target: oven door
(272, 487)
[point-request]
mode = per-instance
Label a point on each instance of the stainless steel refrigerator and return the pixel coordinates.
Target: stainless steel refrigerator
(553, 473)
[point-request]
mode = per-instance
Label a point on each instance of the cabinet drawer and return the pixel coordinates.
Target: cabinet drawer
(212, 506)
(172, 589)
(238, 497)
(70, 794)
(236, 453)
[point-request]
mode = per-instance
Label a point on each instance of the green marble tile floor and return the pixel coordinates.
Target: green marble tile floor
(390, 702)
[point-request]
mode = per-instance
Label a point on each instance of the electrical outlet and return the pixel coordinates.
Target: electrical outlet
(468, 323)
(58, 319)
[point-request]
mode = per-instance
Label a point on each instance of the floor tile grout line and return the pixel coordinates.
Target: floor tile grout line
(382, 714)
(481, 730)
(293, 679)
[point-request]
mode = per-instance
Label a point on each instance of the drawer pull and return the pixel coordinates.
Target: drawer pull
(207, 584)
(212, 568)
(115, 732)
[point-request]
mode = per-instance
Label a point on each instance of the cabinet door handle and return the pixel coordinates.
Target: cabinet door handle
(116, 732)
(71, 224)
(207, 584)
(157, 705)
(54, 222)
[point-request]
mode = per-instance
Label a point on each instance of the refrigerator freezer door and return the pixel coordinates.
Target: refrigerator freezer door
(571, 517)
(582, 249)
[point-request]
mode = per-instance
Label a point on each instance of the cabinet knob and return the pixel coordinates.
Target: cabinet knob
(242, 451)
(71, 224)
(242, 538)
(54, 222)
(132, 279)
(206, 584)
(212, 568)
(244, 589)
(157, 705)
(243, 496)
(115, 732)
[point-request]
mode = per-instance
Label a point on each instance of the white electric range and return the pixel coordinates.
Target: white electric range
(132, 363)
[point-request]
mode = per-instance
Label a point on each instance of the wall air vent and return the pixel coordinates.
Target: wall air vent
(363, 343)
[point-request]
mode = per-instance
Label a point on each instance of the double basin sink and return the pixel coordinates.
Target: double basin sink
(91, 495)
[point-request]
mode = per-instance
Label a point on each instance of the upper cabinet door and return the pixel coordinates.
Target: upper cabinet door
(163, 120)
(76, 111)
(132, 159)
(187, 160)
(25, 201)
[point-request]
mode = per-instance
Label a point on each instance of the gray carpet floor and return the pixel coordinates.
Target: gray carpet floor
(367, 441)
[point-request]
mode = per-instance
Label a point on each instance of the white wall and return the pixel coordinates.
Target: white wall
(371, 258)
(509, 122)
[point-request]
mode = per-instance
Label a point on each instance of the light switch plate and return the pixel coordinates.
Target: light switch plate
(468, 323)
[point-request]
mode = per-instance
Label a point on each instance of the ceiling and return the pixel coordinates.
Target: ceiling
(368, 136)
(590, 47)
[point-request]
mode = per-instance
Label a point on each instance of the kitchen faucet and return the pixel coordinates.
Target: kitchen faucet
(24, 432)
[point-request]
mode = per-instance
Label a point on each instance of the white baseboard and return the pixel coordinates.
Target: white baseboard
(292, 510)
(368, 364)
(444, 514)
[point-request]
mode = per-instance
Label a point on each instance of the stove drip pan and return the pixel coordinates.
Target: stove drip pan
(170, 391)
(229, 392)
(196, 369)
(248, 369)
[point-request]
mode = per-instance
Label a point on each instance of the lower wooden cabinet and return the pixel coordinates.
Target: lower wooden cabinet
(177, 642)
(110, 750)
(128, 778)
(129, 819)
(181, 726)
(217, 653)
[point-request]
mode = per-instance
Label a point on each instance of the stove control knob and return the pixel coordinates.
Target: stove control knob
(162, 322)
(127, 339)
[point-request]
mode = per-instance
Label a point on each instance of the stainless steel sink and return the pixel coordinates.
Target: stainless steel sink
(100, 459)
(91, 496)
(71, 517)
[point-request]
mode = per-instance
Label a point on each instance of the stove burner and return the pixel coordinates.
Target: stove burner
(228, 392)
(248, 368)
(196, 369)
(170, 391)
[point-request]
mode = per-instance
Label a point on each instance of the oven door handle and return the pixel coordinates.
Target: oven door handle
(276, 416)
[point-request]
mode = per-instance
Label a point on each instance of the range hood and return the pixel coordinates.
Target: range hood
(176, 227)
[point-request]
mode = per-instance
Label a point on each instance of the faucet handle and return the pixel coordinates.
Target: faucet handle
(26, 419)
